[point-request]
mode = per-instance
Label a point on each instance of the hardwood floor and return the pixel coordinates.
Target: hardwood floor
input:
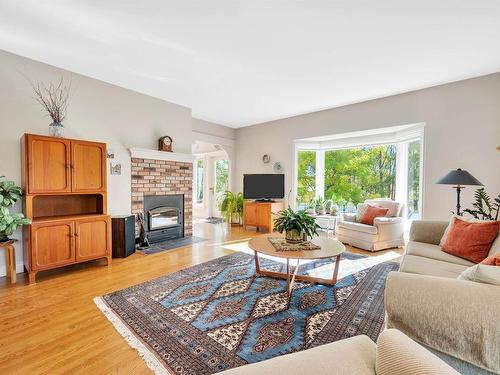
(54, 327)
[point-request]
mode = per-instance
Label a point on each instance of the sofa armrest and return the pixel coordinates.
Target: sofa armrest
(427, 231)
(386, 220)
(456, 317)
(390, 228)
(398, 354)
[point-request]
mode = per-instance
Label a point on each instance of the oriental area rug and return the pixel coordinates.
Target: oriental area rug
(219, 315)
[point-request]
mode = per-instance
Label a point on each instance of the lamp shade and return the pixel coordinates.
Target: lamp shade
(459, 177)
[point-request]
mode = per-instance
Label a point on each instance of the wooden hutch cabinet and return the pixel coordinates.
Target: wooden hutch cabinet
(64, 181)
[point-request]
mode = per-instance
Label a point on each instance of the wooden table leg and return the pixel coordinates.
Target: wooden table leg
(336, 269)
(10, 263)
(257, 265)
(288, 288)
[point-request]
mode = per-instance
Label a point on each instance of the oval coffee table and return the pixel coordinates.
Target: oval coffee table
(329, 248)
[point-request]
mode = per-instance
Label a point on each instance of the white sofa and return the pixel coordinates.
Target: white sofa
(394, 354)
(386, 232)
(458, 320)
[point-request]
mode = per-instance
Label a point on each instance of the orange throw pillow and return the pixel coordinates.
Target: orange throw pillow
(371, 212)
(471, 240)
(492, 261)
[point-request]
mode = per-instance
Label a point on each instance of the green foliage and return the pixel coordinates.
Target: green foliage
(9, 195)
(351, 175)
(288, 220)
(306, 169)
(413, 175)
(221, 175)
(231, 203)
(484, 207)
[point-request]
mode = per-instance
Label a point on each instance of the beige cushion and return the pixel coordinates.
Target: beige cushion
(355, 355)
(358, 227)
(434, 252)
(397, 354)
(431, 267)
(392, 206)
(481, 273)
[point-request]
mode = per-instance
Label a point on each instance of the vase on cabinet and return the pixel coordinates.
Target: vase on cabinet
(56, 130)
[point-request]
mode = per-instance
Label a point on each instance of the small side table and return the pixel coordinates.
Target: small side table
(10, 259)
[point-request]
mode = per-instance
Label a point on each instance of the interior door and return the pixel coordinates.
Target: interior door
(88, 161)
(53, 244)
(49, 165)
(93, 238)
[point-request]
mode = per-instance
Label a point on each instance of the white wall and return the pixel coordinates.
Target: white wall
(97, 111)
(210, 128)
(462, 130)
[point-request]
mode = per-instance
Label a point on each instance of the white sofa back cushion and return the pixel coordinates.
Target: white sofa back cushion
(393, 207)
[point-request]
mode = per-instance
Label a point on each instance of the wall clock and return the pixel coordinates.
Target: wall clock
(165, 144)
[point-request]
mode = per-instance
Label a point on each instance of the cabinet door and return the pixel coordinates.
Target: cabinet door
(88, 162)
(48, 165)
(250, 214)
(264, 216)
(93, 238)
(52, 244)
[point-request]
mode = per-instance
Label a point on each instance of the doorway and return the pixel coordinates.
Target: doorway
(211, 178)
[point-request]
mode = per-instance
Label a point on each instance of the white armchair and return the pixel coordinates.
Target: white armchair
(385, 233)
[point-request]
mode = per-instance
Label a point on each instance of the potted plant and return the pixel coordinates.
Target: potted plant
(296, 225)
(485, 208)
(334, 209)
(320, 205)
(9, 194)
(231, 206)
(311, 207)
(54, 99)
(328, 206)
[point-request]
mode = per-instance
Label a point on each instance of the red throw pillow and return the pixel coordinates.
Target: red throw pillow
(471, 240)
(371, 212)
(492, 261)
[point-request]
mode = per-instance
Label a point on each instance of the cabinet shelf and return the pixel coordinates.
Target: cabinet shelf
(44, 219)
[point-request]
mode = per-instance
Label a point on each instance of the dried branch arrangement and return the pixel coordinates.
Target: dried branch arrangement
(53, 98)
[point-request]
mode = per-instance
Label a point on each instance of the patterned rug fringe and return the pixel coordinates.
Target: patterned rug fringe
(151, 360)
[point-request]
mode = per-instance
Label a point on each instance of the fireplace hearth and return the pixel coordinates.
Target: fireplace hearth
(164, 217)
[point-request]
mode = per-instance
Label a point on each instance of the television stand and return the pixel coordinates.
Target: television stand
(265, 200)
(260, 214)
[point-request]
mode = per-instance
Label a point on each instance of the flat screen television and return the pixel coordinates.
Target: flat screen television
(264, 186)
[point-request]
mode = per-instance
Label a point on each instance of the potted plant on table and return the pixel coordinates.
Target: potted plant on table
(311, 207)
(298, 226)
(231, 206)
(9, 195)
(320, 205)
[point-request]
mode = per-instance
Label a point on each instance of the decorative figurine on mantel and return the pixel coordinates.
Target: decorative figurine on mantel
(165, 144)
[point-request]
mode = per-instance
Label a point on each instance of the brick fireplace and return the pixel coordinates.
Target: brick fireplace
(152, 175)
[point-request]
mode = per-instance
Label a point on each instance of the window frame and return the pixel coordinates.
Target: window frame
(376, 137)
